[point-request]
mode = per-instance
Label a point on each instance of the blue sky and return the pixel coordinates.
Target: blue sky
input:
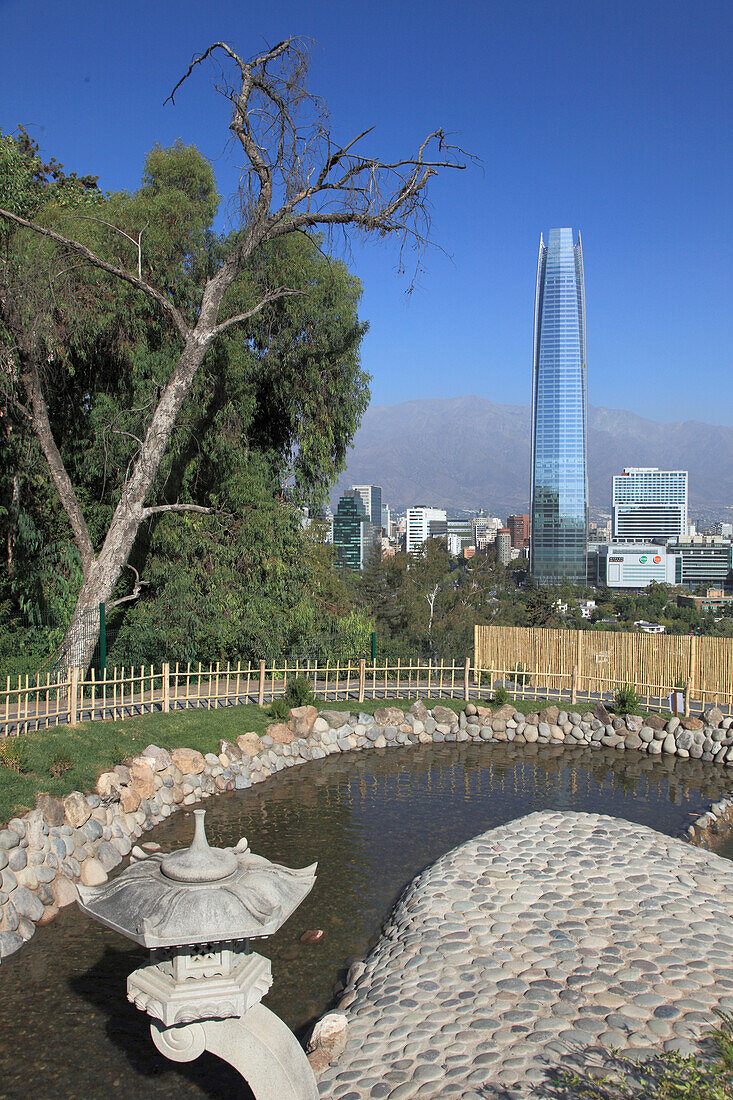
(612, 117)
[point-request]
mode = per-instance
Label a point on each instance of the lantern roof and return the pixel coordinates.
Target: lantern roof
(199, 895)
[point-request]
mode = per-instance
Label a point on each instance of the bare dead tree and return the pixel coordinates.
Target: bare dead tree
(296, 177)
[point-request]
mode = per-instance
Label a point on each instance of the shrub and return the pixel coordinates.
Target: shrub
(299, 692)
(60, 766)
(626, 700)
(279, 709)
(13, 756)
(501, 695)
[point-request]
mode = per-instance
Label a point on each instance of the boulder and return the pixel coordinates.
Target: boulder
(669, 744)
(504, 712)
(129, 799)
(109, 786)
(550, 715)
(142, 777)
(483, 713)
(713, 716)
(655, 722)
(395, 716)
(64, 891)
(335, 718)
(302, 719)
(228, 748)
(281, 733)
(692, 724)
(600, 712)
(419, 710)
(327, 1041)
(444, 716)
(634, 722)
(76, 809)
(48, 914)
(52, 810)
(160, 759)
(249, 744)
(189, 761)
(531, 733)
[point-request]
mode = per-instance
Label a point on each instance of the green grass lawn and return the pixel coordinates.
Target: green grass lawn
(93, 747)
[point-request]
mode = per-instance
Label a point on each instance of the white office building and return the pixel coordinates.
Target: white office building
(624, 565)
(649, 504)
(418, 525)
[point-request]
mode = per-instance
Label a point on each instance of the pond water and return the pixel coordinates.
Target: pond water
(372, 821)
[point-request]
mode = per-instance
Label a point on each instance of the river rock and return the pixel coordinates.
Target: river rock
(390, 716)
(93, 873)
(669, 744)
(692, 724)
(109, 786)
(27, 904)
(64, 891)
(600, 712)
(549, 715)
(654, 721)
(713, 715)
(130, 799)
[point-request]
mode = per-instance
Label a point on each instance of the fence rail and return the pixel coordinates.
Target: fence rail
(117, 694)
(595, 664)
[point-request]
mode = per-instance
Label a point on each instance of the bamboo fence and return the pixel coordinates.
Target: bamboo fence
(569, 666)
(593, 663)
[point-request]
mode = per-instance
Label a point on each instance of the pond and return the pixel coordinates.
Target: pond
(372, 821)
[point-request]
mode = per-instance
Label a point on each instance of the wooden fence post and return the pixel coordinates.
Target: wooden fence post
(688, 694)
(574, 688)
(261, 691)
(362, 679)
(466, 679)
(692, 674)
(73, 697)
(166, 687)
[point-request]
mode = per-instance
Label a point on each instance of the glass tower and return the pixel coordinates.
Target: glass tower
(559, 509)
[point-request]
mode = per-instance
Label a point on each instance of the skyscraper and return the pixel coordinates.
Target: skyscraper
(649, 504)
(559, 483)
(371, 498)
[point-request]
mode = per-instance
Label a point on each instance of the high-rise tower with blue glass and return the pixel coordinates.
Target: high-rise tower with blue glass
(559, 508)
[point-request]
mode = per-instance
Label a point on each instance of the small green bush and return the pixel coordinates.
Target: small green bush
(13, 757)
(299, 692)
(501, 695)
(279, 709)
(626, 700)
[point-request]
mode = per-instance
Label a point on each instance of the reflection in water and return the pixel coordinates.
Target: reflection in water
(372, 821)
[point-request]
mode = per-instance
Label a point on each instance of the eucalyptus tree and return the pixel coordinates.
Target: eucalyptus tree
(296, 178)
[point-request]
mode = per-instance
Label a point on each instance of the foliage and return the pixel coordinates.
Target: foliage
(501, 695)
(626, 700)
(299, 692)
(667, 1076)
(279, 709)
(60, 766)
(13, 757)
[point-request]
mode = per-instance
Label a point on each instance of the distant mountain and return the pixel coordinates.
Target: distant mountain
(467, 453)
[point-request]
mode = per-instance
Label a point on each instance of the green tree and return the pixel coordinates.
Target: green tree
(166, 271)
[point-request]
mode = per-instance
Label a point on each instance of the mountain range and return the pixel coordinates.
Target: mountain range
(465, 453)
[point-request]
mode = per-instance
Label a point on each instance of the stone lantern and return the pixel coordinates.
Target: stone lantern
(196, 910)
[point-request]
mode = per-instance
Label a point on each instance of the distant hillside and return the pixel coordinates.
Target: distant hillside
(467, 452)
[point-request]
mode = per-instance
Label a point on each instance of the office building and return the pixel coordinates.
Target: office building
(371, 498)
(386, 519)
(353, 534)
(519, 530)
(704, 560)
(627, 565)
(503, 546)
(418, 525)
(559, 480)
(649, 504)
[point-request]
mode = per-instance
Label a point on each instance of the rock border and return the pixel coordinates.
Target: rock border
(83, 837)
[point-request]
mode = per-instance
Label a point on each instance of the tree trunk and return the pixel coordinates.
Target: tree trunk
(104, 571)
